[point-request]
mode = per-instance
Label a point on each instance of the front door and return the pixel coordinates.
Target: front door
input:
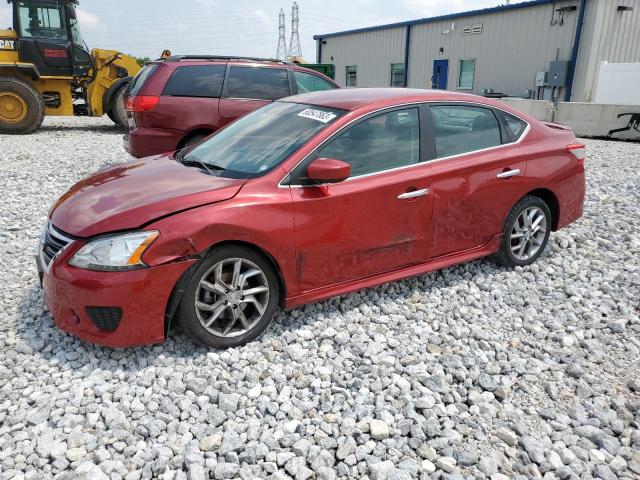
(440, 72)
(44, 37)
(375, 221)
(475, 179)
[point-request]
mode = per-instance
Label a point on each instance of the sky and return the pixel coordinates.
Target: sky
(242, 27)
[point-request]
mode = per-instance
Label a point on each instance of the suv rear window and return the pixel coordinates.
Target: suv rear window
(196, 81)
(138, 82)
(258, 83)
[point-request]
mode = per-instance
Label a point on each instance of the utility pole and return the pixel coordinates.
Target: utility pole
(281, 54)
(295, 50)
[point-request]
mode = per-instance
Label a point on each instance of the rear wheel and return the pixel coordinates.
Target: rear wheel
(231, 298)
(118, 112)
(21, 106)
(526, 232)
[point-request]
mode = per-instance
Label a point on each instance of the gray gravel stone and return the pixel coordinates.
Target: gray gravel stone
(514, 373)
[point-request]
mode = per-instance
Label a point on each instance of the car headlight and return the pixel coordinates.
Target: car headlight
(118, 252)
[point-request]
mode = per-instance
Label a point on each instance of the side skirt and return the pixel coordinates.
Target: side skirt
(311, 296)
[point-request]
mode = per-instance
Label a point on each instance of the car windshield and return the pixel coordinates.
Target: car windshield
(262, 140)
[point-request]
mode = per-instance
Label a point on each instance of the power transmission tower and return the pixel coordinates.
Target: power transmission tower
(282, 43)
(295, 50)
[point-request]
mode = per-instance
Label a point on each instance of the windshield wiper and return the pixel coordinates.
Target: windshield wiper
(181, 158)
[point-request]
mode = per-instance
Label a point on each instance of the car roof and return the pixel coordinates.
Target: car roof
(354, 98)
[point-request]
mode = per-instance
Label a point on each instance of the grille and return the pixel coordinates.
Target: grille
(53, 241)
(105, 318)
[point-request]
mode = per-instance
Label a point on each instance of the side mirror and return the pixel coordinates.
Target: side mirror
(328, 170)
(71, 12)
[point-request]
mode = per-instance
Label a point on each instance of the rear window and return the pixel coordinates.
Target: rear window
(515, 126)
(196, 81)
(258, 83)
(139, 80)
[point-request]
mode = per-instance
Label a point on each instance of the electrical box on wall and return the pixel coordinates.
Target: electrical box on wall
(541, 79)
(557, 73)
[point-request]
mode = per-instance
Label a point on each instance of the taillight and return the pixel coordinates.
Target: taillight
(142, 104)
(578, 150)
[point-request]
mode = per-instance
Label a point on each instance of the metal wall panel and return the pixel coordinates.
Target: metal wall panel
(512, 47)
(372, 52)
(609, 35)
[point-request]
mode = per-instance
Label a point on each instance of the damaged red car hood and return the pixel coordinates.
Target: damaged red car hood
(132, 194)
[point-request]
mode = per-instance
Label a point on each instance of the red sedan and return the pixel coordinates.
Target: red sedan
(309, 197)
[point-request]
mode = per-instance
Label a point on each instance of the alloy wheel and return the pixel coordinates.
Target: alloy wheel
(231, 297)
(528, 233)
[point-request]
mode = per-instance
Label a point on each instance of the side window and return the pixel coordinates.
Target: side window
(196, 81)
(352, 76)
(43, 21)
(307, 82)
(259, 83)
(383, 142)
(466, 74)
(515, 126)
(464, 128)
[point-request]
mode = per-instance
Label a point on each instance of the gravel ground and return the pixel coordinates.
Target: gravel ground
(470, 372)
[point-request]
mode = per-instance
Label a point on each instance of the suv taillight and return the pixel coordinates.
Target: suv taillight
(579, 151)
(143, 103)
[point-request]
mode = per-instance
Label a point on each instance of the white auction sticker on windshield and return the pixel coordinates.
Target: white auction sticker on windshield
(319, 115)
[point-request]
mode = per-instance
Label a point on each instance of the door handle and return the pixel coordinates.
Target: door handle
(414, 194)
(509, 173)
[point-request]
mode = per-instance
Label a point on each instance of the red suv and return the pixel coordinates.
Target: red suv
(309, 197)
(176, 102)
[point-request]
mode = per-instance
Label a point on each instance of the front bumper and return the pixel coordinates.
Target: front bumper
(142, 295)
(145, 142)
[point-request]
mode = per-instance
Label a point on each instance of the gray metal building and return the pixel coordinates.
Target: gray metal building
(548, 47)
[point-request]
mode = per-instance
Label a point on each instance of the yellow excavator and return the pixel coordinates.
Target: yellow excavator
(46, 68)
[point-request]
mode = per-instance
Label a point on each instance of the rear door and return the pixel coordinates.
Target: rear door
(476, 176)
(248, 88)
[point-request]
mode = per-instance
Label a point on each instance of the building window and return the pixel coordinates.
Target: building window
(397, 75)
(467, 72)
(352, 79)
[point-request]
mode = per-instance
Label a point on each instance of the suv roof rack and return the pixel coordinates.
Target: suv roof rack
(177, 58)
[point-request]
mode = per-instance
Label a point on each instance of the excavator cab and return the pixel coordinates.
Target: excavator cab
(49, 37)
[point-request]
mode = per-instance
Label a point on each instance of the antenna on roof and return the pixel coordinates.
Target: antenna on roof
(281, 53)
(295, 50)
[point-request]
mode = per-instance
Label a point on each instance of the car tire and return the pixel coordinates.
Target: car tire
(526, 233)
(118, 112)
(231, 298)
(21, 107)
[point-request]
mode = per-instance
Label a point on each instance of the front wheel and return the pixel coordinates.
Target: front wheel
(231, 298)
(118, 112)
(21, 106)
(526, 232)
